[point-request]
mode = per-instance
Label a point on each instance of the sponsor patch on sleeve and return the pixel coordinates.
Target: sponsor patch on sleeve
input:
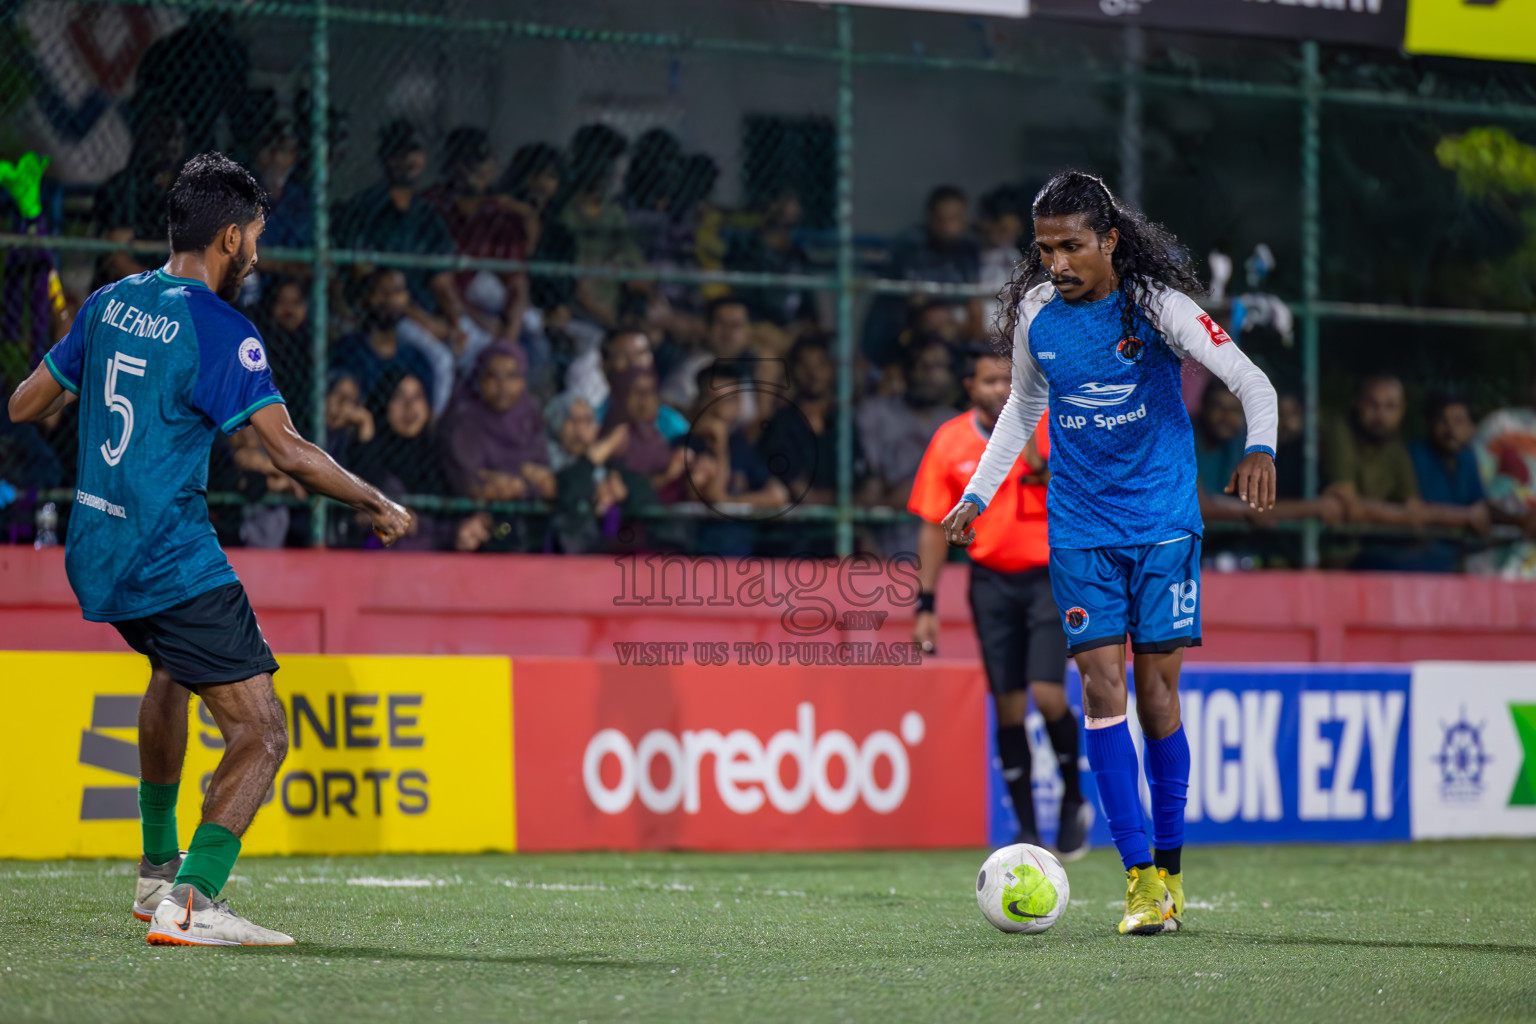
(1218, 336)
(252, 356)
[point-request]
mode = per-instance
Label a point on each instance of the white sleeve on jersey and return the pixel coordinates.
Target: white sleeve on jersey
(1026, 403)
(1192, 333)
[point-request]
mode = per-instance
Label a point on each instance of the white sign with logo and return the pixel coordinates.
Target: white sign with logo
(1473, 749)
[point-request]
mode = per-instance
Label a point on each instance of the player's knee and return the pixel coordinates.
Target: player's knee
(1101, 671)
(1153, 703)
(265, 734)
(1157, 706)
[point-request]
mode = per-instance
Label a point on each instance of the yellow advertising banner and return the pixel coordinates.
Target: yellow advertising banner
(385, 755)
(1486, 29)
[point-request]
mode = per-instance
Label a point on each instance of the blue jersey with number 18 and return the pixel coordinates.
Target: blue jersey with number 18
(159, 363)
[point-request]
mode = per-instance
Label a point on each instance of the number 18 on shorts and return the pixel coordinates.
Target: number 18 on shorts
(1151, 592)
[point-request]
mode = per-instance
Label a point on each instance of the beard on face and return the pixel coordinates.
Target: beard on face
(235, 272)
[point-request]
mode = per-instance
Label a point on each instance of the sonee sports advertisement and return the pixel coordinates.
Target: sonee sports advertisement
(385, 754)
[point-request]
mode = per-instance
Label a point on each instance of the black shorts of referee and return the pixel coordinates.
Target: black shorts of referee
(1018, 627)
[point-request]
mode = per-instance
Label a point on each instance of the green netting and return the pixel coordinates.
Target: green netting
(725, 180)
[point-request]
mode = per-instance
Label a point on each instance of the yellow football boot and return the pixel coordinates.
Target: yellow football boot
(1173, 906)
(1145, 897)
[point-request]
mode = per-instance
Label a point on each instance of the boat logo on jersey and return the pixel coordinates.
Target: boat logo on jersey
(1076, 620)
(1129, 350)
(1099, 396)
(1218, 336)
(252, 356)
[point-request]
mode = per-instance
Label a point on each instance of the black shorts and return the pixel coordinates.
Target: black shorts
(212, 638)
(1019, 628)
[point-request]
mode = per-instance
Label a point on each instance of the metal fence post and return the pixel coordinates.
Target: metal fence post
(1310, 244)
(319, 313)
(844, 281)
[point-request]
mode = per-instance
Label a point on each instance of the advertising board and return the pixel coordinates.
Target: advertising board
(752, 758)
(384, 755)
(1293, 754)
(1487, 29)
(1474, 749)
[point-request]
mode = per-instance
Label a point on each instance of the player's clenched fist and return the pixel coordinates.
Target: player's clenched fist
(1254, 481)
(957, 525)
(391, 521)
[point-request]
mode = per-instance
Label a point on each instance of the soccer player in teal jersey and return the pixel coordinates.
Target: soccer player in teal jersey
(160, 361)
(1100, 319)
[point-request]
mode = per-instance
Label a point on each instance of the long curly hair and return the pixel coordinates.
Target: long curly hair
(1147, 254)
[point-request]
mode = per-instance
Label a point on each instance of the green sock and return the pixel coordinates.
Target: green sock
(210, 859)
(157, 816)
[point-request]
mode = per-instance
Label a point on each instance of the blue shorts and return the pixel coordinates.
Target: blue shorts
(1152, 592)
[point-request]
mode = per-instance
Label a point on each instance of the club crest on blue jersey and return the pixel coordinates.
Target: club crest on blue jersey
(252, 356)
(1129, 350)
(1076, 620)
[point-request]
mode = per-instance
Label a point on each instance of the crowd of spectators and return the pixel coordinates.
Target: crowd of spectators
(597, 398)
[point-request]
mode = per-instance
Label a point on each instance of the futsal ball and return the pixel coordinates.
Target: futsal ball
(1023, 889)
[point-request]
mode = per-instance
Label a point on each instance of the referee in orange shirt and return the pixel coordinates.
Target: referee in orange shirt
(1022, 643)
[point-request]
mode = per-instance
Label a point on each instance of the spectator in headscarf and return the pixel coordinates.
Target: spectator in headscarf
(347, 423)
(591, 492)
(496, 449)
(572, 427)
(643, 448)
(402, 458)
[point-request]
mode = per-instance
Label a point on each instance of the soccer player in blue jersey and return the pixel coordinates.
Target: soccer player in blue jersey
(1100, 319)
(160, 361)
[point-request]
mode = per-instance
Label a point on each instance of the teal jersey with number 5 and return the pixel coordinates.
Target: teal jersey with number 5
(159, 363)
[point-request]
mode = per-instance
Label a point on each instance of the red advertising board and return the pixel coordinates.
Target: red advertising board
(612, 756)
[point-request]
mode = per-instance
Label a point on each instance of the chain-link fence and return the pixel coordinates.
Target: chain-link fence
(588, 279)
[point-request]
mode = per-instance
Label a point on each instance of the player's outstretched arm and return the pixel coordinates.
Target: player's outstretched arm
(320, 474)
(1192, 333)
(37, 397)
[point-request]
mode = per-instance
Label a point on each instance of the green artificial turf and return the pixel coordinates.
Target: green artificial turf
(1426, 932)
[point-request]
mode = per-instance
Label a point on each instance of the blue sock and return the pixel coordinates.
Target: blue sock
(1112, 758)
(1168, 779)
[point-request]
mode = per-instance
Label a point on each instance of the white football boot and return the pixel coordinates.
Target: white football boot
(155, 883)
(188, 918)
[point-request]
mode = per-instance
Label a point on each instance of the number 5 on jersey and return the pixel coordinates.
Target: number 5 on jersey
(120, 363)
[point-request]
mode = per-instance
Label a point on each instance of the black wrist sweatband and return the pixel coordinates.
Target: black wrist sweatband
(925, 601)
